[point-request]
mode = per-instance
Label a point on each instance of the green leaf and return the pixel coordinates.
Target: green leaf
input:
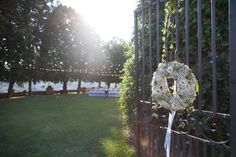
(197, 88)
(181, 125)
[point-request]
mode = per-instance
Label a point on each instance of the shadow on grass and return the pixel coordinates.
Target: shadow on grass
(116, 145)
(61, 126)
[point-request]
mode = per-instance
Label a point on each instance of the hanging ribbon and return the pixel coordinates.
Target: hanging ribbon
(168, 133)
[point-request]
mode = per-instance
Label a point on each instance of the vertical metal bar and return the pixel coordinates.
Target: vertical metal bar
(150, 140)
(205, 149)
(154, 140)
(172, 146)
(150, 43)
(197, 148)
(213, 150)
(187, 30)
(143, 55)
(137, 84)
(190, 147)
(199, 34)
(158, 142)
(143, 78)
(146, 135)
(150, 36)
(232, 56)
(184, 145)
(150, 66)
(136, 56)
(158, 30)
(161, 142)
(178, 144)
(222, 151)
(148, 151)
(177, 30)
(142, 130)
(213, 49)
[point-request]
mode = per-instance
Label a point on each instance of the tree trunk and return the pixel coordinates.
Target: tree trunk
(108, 84)
(79, 85)
(10, 89)
(65, 87)
(99, 84)
(115, 85)
(30, 88)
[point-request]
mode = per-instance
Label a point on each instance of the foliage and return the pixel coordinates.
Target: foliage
(221, 48)
(114, 51)
(21, 23)
(42, 40)
(169, 27)
(115, 58)
(61, 47)
(222, 45)
(127, 90)
(172, 53)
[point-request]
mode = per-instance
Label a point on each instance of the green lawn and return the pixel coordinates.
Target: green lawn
(61, 126)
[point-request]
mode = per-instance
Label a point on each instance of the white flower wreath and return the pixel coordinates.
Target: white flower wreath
(181, 94)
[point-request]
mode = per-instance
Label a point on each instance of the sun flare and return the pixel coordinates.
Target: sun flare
(109, 18)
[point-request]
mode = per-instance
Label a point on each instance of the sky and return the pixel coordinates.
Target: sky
(109, 18)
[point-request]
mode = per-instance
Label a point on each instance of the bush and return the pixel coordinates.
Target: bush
(127, 90)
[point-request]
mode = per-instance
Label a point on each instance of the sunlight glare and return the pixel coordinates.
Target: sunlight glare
(109, 18)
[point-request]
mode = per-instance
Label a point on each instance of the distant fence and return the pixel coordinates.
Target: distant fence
(34, 93)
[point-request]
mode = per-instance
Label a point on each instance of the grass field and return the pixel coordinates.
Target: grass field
(61, 126)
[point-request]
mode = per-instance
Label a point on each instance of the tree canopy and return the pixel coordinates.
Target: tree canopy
(42, 40)
(21, 23)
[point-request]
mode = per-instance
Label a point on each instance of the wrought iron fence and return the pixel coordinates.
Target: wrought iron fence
(209, 131)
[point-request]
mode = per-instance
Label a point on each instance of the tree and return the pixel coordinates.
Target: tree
(61, 44)
(115, 58)
(93, 56)
(36, 22)
(20, 20)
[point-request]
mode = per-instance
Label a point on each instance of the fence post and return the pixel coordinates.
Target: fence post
(232, 57)
(137, 85)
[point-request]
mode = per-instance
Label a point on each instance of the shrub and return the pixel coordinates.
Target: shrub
(127, 90)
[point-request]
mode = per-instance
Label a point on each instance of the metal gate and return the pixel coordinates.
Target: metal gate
(210, 130)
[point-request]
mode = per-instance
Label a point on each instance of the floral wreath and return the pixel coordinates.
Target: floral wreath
(182, 93)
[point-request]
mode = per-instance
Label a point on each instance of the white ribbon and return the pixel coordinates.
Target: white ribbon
(168, 133)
